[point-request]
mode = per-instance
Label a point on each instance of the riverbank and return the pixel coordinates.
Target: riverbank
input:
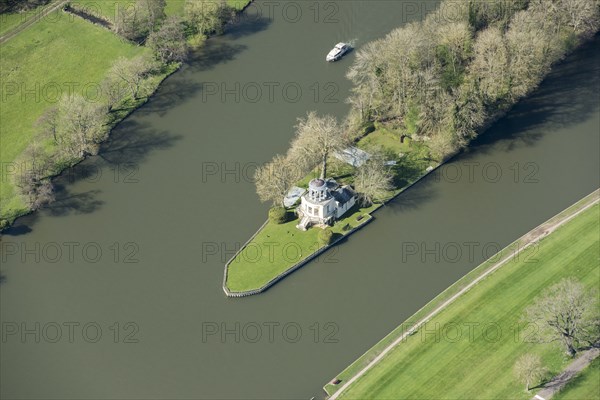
(454, 305)
(78, 49)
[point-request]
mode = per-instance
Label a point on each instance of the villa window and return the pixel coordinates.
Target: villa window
(310, 210)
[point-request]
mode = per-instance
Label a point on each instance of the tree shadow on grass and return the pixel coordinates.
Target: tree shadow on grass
(568, 96)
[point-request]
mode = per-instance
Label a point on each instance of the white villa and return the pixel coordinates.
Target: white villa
(324, 202)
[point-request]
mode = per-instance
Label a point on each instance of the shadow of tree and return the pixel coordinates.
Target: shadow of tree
(130, 144)
(18, 229)
(67, 203)
(568, 96)
(2, 278)
(214, 52)
(415, 196)
(246, 24)
(217, 50)
(132, 141)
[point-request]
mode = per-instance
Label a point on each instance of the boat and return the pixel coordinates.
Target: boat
(338, 51)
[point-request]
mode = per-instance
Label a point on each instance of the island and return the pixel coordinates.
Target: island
(420, 95)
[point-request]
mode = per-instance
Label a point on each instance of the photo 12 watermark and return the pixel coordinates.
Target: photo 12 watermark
(469, 251)
(269, 252)
(290, 332)
(70, 252)
(270, 92)
(474, 172)
(431, 332)
(69, 332)
(91, 172)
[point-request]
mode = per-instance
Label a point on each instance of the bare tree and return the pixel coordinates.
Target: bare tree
(566, 313)
(132, 73)
(490, 65)
(373, 181)
(455, 39)
(136, 21)
(168, 42)
(31, 178)
(316, 139)
(115, 91)
(529, 369)
(274, 179)
(79, 126)
(206, 16)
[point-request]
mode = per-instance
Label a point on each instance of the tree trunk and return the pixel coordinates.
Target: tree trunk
(571, 350)
(324, 167)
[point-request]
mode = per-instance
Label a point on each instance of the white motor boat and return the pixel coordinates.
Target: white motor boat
(338, 51)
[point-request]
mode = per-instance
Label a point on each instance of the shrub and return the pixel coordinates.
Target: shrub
(4, 224)
(278, 215)
(325, 237)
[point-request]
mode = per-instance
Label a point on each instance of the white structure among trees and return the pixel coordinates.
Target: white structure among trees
(324, 202)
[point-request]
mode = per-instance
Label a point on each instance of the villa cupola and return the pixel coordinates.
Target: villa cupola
(317, 190)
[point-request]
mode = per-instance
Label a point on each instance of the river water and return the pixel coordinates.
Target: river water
(115, 291)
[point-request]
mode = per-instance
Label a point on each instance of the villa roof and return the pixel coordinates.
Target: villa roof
(343, 195)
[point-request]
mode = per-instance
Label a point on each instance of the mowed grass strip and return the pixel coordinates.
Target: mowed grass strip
(585, 386)
(448, 367)
(58, 54)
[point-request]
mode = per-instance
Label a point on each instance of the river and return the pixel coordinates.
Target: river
(123, 274)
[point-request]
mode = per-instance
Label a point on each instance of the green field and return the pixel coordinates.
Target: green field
(12, 20)
(108, 9)
(585, 386)
(423, 367)
(41, 63)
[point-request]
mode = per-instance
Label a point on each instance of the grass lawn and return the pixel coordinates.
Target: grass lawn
(108, 9)
(385, 138)
(10, 21)
(45, 59)
(278, 247)
(451, 368)
(585, 386)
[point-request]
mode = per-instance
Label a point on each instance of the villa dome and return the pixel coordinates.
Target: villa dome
(317, 184)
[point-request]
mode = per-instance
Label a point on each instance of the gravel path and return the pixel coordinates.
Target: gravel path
(564, 377)
(35, 18)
